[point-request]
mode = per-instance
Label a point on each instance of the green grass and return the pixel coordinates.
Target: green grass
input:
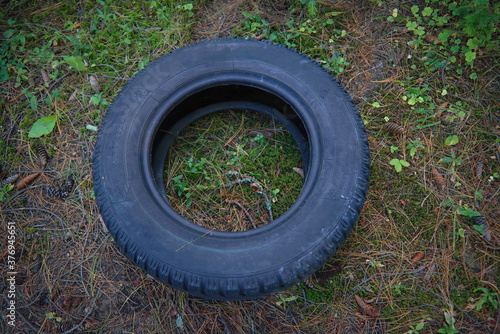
(430, 66)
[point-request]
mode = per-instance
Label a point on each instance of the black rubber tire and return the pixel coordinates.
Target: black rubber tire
(231, 265)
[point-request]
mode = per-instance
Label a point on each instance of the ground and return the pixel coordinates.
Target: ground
(424, 255)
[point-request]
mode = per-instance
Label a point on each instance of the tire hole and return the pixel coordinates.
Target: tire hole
(233, 170)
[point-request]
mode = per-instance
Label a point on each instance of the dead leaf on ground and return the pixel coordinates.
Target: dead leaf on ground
(442, 107)
(299, 171)
(370, 310)
(37, 263)
(430, 272)
(73, 95)
(94, 83)
(432, 39)
(67, 302)
(417, 257)
(45, 76)
(26, 181)
(255, 186)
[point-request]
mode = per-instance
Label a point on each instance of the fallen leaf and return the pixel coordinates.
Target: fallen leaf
(76, 302)
(67, 302)
(255, 186)
(43, 126)
(45, 76)
(370, 310)
(37, 263)
(442, 107)
(430, 272)
(432, 39)
(417, 257)
(73, 95)
(299, 171)
(94, 83)
(27, 180)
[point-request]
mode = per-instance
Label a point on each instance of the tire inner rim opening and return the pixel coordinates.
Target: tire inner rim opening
(231, 158)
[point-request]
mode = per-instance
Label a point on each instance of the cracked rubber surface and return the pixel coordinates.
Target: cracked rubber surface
(230, 265)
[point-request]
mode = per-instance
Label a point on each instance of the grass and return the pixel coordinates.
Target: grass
(233, 171)
(418, 259)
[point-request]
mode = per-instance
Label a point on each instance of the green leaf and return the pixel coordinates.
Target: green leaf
(443, 35)
(451, 140)
(473, 43)
(468, 212)
(427, 11)
(470, 56)
(75, 62)
(404, 163)
(461, 232)
(414, 9)
(419, 326)
(480, 229)
(43, 126)
(397, 165)
(412, 25)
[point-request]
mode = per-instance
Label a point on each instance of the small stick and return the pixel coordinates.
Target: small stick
(242, 209)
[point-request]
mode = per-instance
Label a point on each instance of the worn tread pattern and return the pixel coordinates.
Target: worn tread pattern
(250, 287)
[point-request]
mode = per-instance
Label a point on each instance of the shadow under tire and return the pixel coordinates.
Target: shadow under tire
(138, 128)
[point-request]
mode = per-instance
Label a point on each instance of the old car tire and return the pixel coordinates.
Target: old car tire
(137, 130)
